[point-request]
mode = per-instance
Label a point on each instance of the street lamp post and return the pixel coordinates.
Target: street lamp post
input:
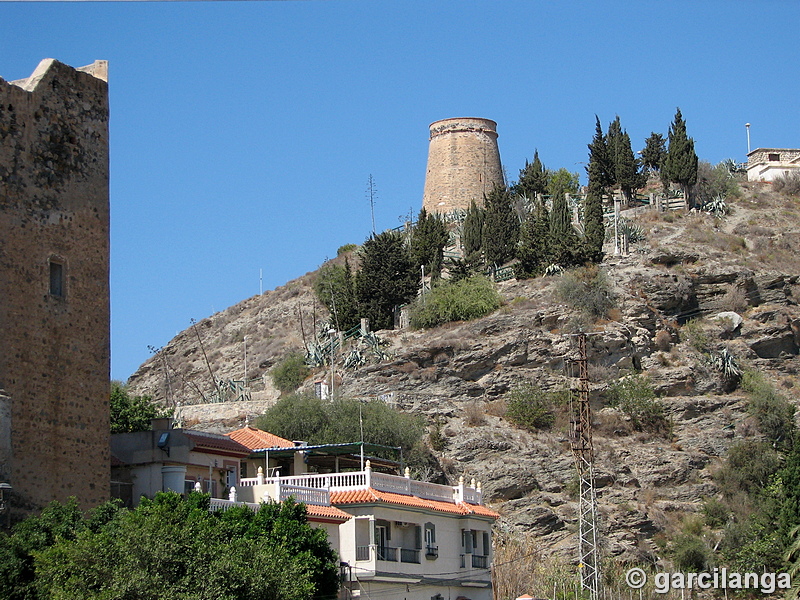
(747, 126)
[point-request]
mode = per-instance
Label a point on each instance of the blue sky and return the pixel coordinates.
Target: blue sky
(243, 133)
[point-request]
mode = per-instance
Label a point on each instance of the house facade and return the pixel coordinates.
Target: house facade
(402, 538)
(767, 164)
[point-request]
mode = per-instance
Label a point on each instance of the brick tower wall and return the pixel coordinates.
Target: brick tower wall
(463, 164)
(54, 285)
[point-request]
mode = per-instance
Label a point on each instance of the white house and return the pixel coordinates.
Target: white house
(766, 164)
(397, 538)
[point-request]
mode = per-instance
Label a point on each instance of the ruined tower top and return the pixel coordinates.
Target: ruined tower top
(463, 164)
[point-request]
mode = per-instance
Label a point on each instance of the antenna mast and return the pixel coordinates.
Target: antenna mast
(588, 550)
(371, 193)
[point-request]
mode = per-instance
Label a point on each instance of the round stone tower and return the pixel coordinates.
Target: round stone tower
(463, 164)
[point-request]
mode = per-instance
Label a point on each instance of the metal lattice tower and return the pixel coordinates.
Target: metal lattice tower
(588, 534)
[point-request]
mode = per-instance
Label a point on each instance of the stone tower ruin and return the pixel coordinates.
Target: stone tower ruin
(54, 285)
(463, 164)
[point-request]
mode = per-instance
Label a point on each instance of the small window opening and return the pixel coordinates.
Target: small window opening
(56, 279)
(774, 157)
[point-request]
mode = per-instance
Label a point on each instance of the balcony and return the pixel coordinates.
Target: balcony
(316, 488)
(480, 562)
(407, 555)
(386, 553)
(362, 553)
(431, 552)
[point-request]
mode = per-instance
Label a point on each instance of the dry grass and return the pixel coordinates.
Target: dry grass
(663, 340)
(474, 414)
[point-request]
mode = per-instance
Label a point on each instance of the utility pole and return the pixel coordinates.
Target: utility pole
(371, 194)
(582, 450)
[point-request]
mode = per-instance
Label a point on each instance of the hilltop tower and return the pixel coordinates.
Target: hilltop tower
(463, 164)
(54, 285)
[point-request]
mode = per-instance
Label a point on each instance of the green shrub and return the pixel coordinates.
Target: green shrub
(748, 468)
(775, 414)
(346, 248)
(634, 396)
(690, 553)
(693, 333)
(462, 300)
(586, 289)
(290, 372)
(715, 513)
(306, 417)
(532, 408)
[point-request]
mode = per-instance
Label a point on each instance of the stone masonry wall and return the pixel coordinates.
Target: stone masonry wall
(54, 282)
(463, 164)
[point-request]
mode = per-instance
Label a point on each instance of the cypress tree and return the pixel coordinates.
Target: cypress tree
(473, 234)
(680, 165)
(500, 227)
(428, 239)
(593, 229)
(387, 279)
(629, 175)
(655, 151)
(533, 178)
(563, 242)
(601, 166)
(534, 244)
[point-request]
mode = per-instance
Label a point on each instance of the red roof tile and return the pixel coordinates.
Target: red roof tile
(256, 439)
(329, 514)
(371, 495)
(213, 443)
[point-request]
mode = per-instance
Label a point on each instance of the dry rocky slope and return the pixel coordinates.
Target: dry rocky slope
(689, 265)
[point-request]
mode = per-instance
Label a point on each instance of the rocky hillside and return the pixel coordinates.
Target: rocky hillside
(667, 294)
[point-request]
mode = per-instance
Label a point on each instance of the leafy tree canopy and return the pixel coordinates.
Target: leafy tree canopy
(335, 288)
(132, 413)
(428, 240)
(168, 547)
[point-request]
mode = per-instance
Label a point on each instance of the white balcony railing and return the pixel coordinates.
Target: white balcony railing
(315, 488)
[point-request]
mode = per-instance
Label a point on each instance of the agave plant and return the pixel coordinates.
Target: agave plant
(717, 206)
(725, 363)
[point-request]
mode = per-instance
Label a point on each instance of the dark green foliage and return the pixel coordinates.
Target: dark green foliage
(680, 164)
(751, 545)
(534, 251)
(460, 300)
(387, 278)
(715, 513)
(601, 163)
(789, 512)
(473, 232)
(532, 408)
(775, 414)
(563, 240)
(175, 548)
(690, 553)
(627, 173)
(586, 289)
(321, 422)
(635, 397)
(290, 372)
(335, 288)
(594, 231)
(132, 413)
(655, 151)
(500, 227)
(428, 239)
(533, 178)
(748, 468)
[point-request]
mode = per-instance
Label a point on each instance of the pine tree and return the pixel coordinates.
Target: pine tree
(500, 227)
(533, 178)
(680, 165)
(387, 279)
(428, 239)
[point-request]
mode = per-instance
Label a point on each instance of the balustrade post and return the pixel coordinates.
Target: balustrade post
(232, 494)
(260, 476)
(459, 490)
(368, 474)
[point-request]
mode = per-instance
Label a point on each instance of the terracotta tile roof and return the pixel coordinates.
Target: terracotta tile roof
(371, 495)
(216, 444)
(256, 439)
(329, 514)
